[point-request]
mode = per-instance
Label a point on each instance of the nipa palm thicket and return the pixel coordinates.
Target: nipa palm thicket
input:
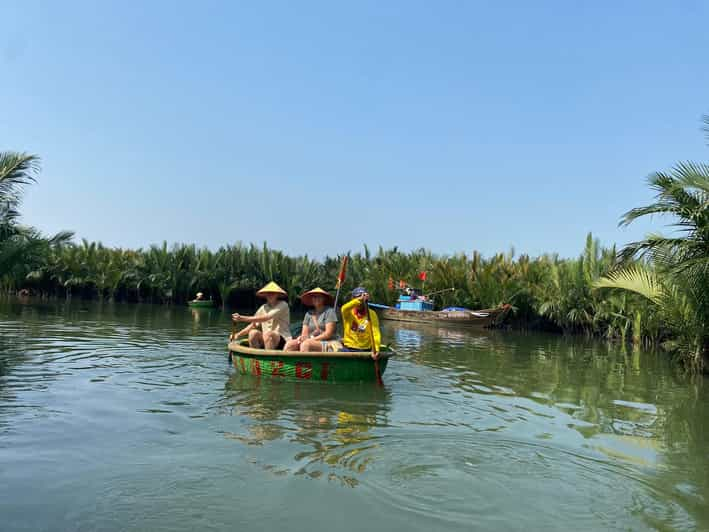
(666, 302)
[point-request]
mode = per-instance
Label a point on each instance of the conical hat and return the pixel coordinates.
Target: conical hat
(307, 297)
(272, 288)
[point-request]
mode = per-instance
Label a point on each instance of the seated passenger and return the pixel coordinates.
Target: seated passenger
(360, 324)
(199, 297)
(319, 324)
(273, 317)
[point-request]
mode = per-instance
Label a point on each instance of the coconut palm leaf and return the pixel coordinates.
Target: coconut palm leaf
(16, 170)
(635, 279)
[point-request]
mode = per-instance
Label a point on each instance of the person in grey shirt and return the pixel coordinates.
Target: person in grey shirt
(319, 325)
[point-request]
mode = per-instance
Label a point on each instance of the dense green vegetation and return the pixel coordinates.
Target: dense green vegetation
(546, 292)
(676, 277)
(652, 292)
(22, 248)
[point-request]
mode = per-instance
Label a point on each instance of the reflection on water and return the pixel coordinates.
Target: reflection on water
(414, 339)
(330, 425)
(123, 417)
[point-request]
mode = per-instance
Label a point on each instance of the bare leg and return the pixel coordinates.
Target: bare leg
(271, 340)
(291, 345)
(311, 345)
(255, 339)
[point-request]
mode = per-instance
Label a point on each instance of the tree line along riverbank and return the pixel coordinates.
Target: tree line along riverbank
(652, 292)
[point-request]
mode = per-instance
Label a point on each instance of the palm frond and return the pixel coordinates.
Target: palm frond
(16, 170)
(634, 279)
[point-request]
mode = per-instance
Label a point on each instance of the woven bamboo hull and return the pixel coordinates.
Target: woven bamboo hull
(478, 318)
(322, 367)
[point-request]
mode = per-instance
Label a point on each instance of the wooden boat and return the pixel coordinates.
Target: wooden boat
(201, 303)
(468, 318)
(339, 366)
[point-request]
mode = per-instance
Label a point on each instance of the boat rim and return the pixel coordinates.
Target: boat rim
(236, 347)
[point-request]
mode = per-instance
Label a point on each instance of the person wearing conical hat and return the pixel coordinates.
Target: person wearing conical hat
(272, 318)
(319, 325)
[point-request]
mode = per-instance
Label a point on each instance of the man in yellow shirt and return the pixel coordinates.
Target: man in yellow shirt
(360, 324)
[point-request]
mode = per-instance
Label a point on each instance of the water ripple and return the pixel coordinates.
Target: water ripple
(501, 430)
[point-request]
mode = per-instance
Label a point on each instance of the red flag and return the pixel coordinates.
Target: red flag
(343, 271)
(390, 284)
(402, 284)
(422, 276)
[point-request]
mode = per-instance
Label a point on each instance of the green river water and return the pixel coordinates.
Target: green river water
(129, 417)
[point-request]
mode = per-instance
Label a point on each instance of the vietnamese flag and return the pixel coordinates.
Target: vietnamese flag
(343, 271)
(422, 276)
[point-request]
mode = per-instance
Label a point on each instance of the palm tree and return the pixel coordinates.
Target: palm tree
(16, 171)
(678, 284)
(682, 193)
(21, 248)
(679, 307)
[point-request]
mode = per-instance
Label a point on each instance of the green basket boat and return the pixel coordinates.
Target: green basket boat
(340, 366)
(201, 303)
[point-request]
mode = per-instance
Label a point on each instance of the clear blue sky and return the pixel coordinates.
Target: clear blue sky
(320, 126)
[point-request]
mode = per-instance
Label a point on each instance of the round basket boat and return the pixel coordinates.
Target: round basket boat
(340, 366)
(201, 303)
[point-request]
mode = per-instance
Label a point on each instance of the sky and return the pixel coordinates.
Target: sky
(318, 127)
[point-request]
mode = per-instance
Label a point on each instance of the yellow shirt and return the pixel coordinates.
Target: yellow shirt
(356, 327)
(279, 320)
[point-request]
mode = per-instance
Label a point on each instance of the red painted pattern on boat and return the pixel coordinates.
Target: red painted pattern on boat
(277, 368)
(324, 369)
(303, 370)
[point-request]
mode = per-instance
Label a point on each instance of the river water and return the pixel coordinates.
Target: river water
(129, 417)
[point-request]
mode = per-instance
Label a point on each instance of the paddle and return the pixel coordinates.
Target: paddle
(234, 332)
(232, 336)
(371, 339)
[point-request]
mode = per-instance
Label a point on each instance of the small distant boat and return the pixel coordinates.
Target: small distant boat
(339, 366)
(418, 309)
(201, 303)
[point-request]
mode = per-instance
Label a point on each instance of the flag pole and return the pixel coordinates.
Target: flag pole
(341, 278)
